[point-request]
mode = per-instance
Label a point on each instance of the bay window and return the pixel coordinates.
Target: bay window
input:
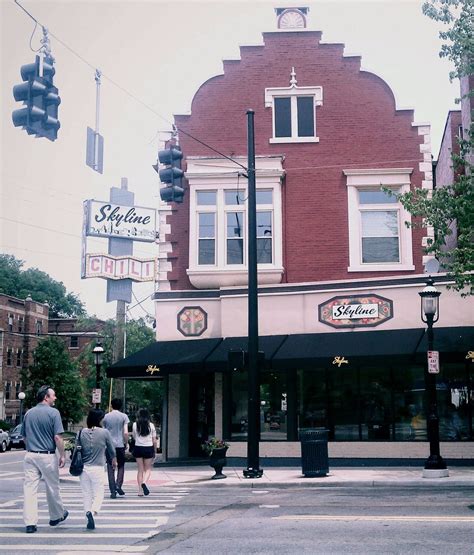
(218, 224)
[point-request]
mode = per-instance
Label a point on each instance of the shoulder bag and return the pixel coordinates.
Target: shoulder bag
(77, 464)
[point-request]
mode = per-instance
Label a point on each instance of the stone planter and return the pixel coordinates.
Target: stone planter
(218, 459)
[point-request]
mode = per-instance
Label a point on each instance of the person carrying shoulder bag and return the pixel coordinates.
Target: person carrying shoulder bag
(95, 442)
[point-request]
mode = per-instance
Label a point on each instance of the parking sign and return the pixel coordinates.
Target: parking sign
(433, 362)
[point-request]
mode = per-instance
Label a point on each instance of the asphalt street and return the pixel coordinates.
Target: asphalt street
(221, 518)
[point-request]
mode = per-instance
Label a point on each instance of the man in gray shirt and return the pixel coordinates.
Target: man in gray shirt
(117, 424)
(42, 429)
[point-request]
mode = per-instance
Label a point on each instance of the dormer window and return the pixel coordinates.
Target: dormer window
(294, 112)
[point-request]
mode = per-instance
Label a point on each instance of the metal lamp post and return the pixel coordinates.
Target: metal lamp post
(21, 397)
(434, 465)
(98, 351)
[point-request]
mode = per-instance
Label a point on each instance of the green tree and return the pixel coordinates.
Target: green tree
(139, 393)
(455, 202)
(20, 283)
(53, 366)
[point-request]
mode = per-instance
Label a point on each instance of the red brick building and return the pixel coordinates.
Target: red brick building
(76, 338)
(22, 324)
(339, 271)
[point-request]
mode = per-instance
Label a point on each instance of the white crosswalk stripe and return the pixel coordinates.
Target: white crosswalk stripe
(120, 526)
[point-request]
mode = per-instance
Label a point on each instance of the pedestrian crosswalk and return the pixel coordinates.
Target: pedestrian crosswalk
(123, 525)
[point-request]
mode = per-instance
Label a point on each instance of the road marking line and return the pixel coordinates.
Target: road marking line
(376, 518)
(104, 511)
(67, 548)
(269, 506)
(81, 515)
(100, 524)
(83, 535)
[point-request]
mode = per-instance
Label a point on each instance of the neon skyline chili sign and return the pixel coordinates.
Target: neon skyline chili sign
(355, 311)
(120, 267)
(105, 219)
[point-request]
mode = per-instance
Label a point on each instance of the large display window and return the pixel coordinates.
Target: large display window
(356, 403)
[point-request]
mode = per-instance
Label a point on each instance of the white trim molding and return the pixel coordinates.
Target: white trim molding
(363, 179)
(293, 92)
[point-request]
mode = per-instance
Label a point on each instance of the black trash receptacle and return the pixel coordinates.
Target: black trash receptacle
(314, 452)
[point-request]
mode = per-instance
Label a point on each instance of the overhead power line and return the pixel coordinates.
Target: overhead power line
(127, 92)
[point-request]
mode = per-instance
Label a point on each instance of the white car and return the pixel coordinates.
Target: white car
(4, 441)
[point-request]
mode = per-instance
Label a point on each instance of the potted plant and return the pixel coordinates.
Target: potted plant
(216, 449)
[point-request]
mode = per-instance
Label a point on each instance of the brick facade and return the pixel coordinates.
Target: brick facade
(358, 126)
(22, 324)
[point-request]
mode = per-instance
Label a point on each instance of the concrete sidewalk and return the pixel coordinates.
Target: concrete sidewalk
(292, 477)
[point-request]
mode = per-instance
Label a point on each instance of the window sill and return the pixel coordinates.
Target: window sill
(294, 140)
(380, 267)
(215, 278)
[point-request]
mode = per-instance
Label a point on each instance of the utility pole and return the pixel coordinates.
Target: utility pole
(253, 435)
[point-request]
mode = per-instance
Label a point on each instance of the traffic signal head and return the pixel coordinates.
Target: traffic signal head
(171, 175)
(39, 116)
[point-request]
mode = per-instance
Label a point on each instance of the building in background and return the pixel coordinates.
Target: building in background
(339, 272)
(22, 324)
(76, 337)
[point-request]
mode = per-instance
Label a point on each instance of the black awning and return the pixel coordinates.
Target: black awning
(450, 341)
(308, 350)
(217, 361)
(165, 357)
(296, 351)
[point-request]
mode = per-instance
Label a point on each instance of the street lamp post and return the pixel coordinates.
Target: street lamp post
(98, 351)
(434, 465)
(21, 397)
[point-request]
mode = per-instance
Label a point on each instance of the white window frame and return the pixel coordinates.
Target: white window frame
(207, 209)
(364, 179)
(206, 174)
(294, 92)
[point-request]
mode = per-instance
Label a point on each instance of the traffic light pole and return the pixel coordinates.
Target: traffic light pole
(253, 435)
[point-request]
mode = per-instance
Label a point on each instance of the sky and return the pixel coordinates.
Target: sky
(154, 55)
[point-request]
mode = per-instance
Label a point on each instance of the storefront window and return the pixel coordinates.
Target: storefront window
(356, 403)
(239, 411)
(312, 399)
(454, 408)
(375, 403)
(345, 403)
(273, 406)
(409, 404)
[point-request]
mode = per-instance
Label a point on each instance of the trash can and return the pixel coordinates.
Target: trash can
(314, 452)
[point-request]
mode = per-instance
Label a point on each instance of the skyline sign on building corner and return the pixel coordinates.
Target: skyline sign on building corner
(353, 311)
(192, 321)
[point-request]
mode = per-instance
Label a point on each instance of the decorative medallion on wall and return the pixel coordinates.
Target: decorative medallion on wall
(355, 311)
(291, 18)
(192, 321)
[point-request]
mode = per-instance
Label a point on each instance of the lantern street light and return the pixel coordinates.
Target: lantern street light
(21, 397)
(98, 351)
(435, 467)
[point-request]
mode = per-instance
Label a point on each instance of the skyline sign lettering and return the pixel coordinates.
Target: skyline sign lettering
(354, 311)
(106, 219)
(120, 267)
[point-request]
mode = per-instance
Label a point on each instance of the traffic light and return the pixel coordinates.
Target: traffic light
(39, 116)
(171, 175)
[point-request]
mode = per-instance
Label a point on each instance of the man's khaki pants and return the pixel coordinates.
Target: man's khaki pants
(39, 466)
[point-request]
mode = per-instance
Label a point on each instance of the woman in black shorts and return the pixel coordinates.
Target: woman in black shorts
(144, 434)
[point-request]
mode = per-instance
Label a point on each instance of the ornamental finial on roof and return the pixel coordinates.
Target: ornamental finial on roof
(293, 80)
